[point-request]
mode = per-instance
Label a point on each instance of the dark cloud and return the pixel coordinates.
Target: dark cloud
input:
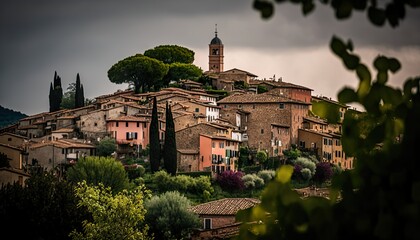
(87, 37)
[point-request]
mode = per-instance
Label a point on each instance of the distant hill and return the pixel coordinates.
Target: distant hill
(9, 117)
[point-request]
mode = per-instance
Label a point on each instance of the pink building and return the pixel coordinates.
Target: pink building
(218, 154)
(130, 130)
(132, 133)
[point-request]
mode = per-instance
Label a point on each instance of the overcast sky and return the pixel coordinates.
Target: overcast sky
(87, 37)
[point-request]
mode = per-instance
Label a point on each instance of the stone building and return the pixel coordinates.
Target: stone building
(263, 110)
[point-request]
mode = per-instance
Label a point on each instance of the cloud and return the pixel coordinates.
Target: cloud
(87, 37)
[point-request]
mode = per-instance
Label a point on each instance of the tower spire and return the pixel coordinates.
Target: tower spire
(215, 32)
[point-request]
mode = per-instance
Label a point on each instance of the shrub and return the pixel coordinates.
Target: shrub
(306, 174)
(323, 172)
(134, 171)
(297, 175)
(306, 163)
(231, 181)
(266, 175)
(168, 216)
(252, 181)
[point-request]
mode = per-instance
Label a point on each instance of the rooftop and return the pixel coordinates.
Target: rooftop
(226, 206)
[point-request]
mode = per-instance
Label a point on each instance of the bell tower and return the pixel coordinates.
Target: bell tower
(216, 54)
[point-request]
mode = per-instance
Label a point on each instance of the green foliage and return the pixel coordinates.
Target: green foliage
(378, 14)
(179, 71)
(182, 183)
(9, 117)
(154, 146)
(135, 171)
(106, 147)
(266, 175)
(308, 167)
(195, 174)
(169, 152)
(68, 98)
(261, 89)
(141, 71)
(221, 93)
(261, 157)
(379, 194)
(292, 153)
(251, 169)
(243, 157)
(79, 97)
(252, 181)
(113, 216)
(43, 204)
(240, 85)
(327, 111)
(171, 54)
(99, 170)
(56, 93)
(169, 217)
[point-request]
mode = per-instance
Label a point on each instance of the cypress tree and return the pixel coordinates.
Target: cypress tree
(51, 97)
(59, 93)
(78, 96)
(56, 93)
(169, 153)
(82, 96)
(154, 145)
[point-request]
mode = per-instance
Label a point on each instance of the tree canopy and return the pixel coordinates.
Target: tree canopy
(96, 170)
(117, 216)
(171, 54)
(143, 72)
(106, 147)
(179, 71)
(43, 204)
(168, 216)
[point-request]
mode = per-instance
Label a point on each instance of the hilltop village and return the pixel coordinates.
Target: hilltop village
(210, 128)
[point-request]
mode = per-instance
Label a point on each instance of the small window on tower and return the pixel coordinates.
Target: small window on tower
(215, 51)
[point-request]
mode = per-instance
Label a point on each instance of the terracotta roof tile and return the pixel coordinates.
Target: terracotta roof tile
(226, 206)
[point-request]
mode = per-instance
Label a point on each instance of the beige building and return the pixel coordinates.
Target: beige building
(55, 154)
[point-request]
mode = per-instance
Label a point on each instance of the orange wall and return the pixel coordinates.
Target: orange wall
(205, 152)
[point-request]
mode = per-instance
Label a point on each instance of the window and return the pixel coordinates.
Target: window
(131, 135)
(126, 124)
(239, 106)
(117, 123)
(9, 139)
(213, 145)
(197, 110)
(221, 145)
(262, 131)
(281, 105)
(302, 144)
(138, 124)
